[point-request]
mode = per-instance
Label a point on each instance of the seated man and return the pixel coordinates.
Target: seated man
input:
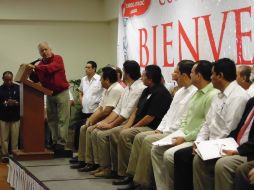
(251, 88)
(152, 106)
(97, 137)
(243, 73)
(220, 120)
(162, 156)
(244, 176)
(219, 124)
(222, 172)
(109, 101)
(140, 165)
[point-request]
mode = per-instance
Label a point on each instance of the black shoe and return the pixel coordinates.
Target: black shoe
(113, 175)
(124, 181)
(79, 165)
(5, 160)
(50, 147)
(57, 147)
(74, 160)
(131, 186)
(88, 168)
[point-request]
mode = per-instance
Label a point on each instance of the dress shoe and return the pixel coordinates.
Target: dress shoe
(88, 168)
(5, 160)
(79, 165)
(131, 186)
(74, 160)
(124, 181)
(103, 173)
(57, 147)
(113, 175)
(96, 171)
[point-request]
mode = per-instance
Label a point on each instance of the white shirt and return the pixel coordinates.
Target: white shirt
(224, 114)
(129, 99)
(250, 90)
(92, 93)
(170, 85)
(112, 95)
(178, 108)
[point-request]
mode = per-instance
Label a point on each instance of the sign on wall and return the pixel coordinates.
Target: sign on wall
(163, 32)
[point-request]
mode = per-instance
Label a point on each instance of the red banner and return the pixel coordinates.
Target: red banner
(134, 7)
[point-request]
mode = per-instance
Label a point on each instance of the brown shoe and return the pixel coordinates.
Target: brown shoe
(103, 173)
(96, 171)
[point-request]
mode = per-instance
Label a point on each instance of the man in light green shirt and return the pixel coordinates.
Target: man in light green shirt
(190, 125)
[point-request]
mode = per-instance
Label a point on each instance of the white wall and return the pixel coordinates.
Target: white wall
(111, 9)
(81, 10)
(79, 31)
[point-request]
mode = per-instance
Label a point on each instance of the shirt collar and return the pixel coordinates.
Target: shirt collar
(94, 77)
(206, 88)
(190, 88)
(153, 89)
(229, 89)
(111, 86)
(48, 60)
(135, 83)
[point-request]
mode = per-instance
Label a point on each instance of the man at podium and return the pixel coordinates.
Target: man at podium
(50, 72)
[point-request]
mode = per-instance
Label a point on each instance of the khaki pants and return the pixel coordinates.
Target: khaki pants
(7, 129)
(163, 164)
(140, 164)
(91, 146)
(102, 140)
(125, 142)
(113, 142)
(82, 143)
(225, 169)
(216, 174)
(58, 114)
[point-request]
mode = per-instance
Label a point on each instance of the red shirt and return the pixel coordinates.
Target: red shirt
(51, 74)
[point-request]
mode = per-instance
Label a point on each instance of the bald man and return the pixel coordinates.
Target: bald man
(243, 73)
(50, 73)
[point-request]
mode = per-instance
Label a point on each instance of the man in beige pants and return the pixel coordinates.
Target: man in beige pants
(109, 101)
(140, 164)
(9, 114)
(152, 106)
(127, 104)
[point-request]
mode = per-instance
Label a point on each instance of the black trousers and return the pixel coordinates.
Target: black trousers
(76, 126)
(183, 179)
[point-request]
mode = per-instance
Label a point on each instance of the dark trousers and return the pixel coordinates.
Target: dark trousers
(241, 176)
(48, 138)
(183, 179)
(76, 126)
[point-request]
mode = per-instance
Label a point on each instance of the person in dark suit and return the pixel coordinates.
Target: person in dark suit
(9, 114)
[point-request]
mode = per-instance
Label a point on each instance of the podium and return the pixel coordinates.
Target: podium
(32, 118)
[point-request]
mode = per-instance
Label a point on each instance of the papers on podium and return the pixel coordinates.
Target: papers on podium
(169, 140)
(211, 149)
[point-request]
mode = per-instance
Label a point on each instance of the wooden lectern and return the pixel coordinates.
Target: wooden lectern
(32, 118)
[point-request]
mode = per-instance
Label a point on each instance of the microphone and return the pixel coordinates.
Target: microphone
(35, 61)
